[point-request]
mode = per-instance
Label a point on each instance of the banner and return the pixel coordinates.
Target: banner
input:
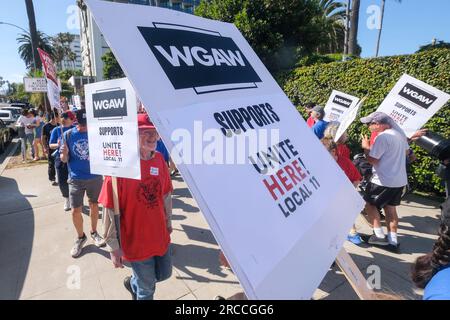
(35, 84)
(53, 89)
(76, 101)
(411, 103)
(348, 119)
(112, 129)
(276, 202)
(338, 105)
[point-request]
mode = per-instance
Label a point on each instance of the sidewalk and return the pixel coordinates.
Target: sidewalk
(36, 236)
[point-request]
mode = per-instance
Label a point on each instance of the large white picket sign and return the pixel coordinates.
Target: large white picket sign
(280, 208)
(411, 103)
(348, 119)
(338, 105)
(112, 128)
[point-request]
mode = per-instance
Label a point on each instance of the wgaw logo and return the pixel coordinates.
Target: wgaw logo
(110, 104)
(342, 101)
(199, 59)
(417, 96)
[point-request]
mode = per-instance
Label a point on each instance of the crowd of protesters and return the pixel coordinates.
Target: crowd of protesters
(137, 229)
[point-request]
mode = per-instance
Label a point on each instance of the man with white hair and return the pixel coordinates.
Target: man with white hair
(387, 155)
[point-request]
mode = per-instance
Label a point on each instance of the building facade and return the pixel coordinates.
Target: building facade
(93, 44)
(76, 64)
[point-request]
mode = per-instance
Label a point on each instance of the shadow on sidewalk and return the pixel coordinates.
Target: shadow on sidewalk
(186, 257)
(16, 238)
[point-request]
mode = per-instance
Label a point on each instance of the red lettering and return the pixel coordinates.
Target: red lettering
(272, 187)
(283, 180)
(292, 174)
(298, 169)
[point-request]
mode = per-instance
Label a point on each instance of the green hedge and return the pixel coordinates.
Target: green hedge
(375, 78)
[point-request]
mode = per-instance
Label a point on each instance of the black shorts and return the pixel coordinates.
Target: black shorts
(380, 196)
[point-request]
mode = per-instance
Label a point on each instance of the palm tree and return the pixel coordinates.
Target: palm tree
(381, 26)
(34, 40)
(354, 20)
(61, 44)
(25, 48)
(333, 19)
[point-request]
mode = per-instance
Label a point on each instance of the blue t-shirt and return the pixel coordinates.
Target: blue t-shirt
(55, 135)
(319, 128)
(161, 148)
(439, 286)
(78, 155)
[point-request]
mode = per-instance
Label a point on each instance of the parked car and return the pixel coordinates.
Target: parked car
(17, 111)
(5, 136)
(8, 118)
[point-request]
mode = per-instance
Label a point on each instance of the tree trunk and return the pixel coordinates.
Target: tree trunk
(381, 28)
(33, 34)
(354, 19)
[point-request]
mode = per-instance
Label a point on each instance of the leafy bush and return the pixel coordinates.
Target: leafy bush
(374, 78)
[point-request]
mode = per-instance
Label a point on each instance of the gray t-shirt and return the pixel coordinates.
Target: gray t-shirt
(390, 148)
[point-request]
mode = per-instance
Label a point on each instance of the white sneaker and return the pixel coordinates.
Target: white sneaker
(66, 204)
(98, 240)
(78, 246)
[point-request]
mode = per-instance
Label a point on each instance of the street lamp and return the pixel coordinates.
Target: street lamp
(32, 48)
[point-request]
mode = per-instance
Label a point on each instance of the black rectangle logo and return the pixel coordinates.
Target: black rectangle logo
(193, 59)
(110, 104)
(417, 96)
(339, 100)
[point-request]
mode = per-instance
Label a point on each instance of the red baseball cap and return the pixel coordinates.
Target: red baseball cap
(68, 115)
(144, 122)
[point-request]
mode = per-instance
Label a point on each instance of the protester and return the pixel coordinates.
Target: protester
(330, 132)
(25, 128)
(352, 174)
(308, 107)
(45, 140)
(387, 155)
(75, 152)
(318, 113)
(145, 218)
(55, 143)
(38, 124)
(432, 271)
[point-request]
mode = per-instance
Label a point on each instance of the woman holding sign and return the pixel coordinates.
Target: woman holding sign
(145, 218)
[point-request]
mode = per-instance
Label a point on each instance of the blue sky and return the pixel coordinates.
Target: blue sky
(407, 25)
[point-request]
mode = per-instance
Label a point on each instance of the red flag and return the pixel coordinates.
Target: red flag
(49, 66)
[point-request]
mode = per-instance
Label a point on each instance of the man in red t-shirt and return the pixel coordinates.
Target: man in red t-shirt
(145, 218)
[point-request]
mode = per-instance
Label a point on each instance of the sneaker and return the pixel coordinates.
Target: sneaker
(219, 298)
(66, 204)
(98, 240)
(374, 240)
(54, 183)
(127, 285)
(355, 239)
(78, 246)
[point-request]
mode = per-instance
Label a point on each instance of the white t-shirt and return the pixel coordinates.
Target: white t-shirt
(24, 121)
(390, 148)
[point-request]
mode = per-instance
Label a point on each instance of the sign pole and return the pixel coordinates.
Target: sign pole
(354, 275)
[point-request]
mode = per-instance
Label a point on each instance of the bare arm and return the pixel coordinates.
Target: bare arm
(168, 210)
(64, 153)
(111, 225)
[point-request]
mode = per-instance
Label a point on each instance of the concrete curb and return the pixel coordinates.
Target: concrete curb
(12, 149)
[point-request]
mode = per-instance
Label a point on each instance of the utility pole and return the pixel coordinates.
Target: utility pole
(381, 28)
(346, 29)
(33, 32)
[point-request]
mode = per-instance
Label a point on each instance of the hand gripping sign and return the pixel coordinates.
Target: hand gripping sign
(411, 103)
(281, 215)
